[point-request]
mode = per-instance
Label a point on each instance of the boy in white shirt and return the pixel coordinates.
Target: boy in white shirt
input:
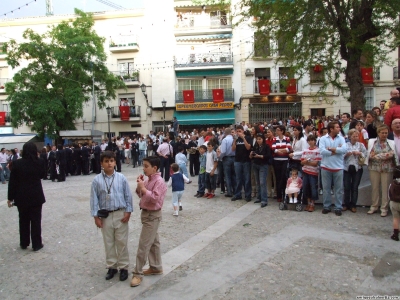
(211, 171)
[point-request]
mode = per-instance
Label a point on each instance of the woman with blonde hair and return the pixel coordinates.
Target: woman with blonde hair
(381, 160)
(353, 170)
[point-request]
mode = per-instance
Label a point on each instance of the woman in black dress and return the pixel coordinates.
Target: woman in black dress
(26, 193)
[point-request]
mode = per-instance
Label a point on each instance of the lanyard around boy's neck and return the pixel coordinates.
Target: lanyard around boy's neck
(105, 181)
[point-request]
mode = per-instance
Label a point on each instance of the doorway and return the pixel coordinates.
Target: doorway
(317, 112)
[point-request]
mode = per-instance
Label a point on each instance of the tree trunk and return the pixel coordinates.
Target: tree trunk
(355, 83)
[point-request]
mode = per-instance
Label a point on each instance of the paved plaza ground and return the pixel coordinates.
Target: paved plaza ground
(215, 249)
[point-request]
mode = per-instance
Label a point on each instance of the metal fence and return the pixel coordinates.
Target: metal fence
(269, 111)
(277, 85)
(204, 59)
(204, 95)
(134, 111)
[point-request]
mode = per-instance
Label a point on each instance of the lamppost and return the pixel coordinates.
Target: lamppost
(164, 104)
(109, 115)
(143, 88)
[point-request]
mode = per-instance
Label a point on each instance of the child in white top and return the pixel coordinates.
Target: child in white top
(293, 186)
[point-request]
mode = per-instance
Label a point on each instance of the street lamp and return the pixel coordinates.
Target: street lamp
(164, 104)
(109, 115)
(143, 88)
(338, 64)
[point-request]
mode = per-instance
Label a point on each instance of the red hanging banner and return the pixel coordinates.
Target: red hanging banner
(367, 75)
(2, 118)
(218, 95)
(317, 68)
(188, 96)
(264, 86)
(292, 87)
(124, 110)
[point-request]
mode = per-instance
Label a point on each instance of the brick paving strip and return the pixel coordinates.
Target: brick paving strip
(180, 254)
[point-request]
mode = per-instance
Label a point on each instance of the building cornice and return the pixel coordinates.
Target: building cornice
(131, 13)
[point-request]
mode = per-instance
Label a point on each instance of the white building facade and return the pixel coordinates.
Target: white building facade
(189, 57)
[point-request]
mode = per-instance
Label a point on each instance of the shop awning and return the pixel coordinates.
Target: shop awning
(205, 117)
(195, 73)
(18, 138)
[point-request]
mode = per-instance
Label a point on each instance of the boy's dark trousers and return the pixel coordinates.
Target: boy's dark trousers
(202, 183)
(221, 177)
(211, 181)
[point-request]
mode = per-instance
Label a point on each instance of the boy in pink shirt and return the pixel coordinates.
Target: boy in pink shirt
(151, 192)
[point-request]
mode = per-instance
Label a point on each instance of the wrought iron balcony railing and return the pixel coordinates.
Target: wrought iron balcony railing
(128, 76)
(204, 95)
(134, 111)
(195, 21)
(277, 86)
(204, 59)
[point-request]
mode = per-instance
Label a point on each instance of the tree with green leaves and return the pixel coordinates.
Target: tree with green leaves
(58, 79)
(321, 32)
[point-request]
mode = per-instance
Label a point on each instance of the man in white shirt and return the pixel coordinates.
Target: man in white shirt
(4, 172)
(103, 145)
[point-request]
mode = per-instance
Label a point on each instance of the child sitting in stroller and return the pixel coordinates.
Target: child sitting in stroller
(293, 186)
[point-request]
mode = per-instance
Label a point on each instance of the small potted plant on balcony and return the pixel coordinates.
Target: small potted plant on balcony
(135, 76)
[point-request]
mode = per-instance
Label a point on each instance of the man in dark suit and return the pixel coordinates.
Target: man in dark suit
(25, 189)
(77, 157)
(52, 163)
(97, 153)
(135, 153)
(194, 162)
(61, 161)
(85, 159)
(68, 156)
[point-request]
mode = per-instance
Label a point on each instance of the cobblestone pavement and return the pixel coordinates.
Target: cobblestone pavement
(215, 249)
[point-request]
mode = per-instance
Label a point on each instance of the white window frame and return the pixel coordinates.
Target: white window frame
(369, 98)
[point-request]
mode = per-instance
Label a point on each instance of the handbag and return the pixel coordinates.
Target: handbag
(102, 213)
(361, 160)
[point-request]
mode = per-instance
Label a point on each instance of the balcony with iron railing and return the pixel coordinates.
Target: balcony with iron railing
(205, 96)
(123, 43)
(217, 60)
(125, 113)
(275, 86)
(5, 118)
(130, 78)
(202, 23)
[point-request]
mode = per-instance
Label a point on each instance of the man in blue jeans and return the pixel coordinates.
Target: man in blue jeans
(242, 147)
(227, 156)
(332, 148)
(3, 162)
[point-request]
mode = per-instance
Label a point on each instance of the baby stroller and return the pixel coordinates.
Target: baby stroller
(288, 201)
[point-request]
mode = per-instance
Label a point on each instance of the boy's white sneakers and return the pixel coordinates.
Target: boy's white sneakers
(175, 214)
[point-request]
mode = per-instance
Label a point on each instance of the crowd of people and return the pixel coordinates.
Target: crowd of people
(290, 160)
